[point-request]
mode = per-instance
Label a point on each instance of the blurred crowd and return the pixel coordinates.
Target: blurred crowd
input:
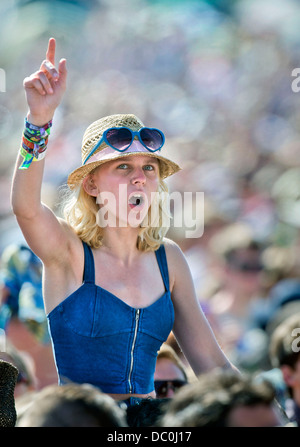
(216, 77)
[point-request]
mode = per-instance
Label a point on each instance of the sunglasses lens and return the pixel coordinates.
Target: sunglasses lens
(162, 386)
(152, 138)
(162, 390)
(120, 139)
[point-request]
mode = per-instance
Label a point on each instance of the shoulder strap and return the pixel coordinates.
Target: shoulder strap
(89, 265)
(163, 265)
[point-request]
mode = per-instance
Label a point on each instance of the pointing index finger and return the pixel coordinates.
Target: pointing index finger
(50, 54)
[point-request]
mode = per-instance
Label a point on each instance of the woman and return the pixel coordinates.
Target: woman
(113, 287)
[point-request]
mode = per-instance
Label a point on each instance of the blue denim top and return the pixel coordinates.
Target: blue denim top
(99, 339)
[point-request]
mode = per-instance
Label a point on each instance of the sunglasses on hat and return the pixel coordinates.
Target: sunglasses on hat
(120, 139)
(162, 386)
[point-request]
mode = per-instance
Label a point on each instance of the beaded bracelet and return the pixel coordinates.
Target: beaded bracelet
(34, 143)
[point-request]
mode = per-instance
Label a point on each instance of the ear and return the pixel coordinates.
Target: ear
(90, 186)
(288, 375)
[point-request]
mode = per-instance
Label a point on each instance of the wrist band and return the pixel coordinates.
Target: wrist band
(34, 143)
(29, 158)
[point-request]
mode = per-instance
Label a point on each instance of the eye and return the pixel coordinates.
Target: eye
(149, 168)
(123, 166)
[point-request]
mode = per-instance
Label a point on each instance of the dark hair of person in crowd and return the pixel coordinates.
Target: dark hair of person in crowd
(223, 399)
(72, 405)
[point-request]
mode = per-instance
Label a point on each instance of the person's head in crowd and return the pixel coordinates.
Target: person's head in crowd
(283, 301)
(239, 254)
(224, 399)
(285, 353)
(170, 374)
(280, 263)
(72, 405)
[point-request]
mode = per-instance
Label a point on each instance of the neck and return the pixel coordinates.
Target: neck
(121, 243)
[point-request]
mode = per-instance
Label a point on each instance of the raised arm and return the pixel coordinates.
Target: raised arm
(44, 90)
(191, 328)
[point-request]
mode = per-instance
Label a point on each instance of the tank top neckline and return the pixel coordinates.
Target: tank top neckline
(89, 274)
(107, 292)
(89, 278)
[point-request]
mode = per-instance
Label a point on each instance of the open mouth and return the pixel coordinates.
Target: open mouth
(136, 200)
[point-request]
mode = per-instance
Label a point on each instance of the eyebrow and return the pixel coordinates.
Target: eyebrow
(148, 160)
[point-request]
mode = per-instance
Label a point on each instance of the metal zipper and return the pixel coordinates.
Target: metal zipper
(137, 316)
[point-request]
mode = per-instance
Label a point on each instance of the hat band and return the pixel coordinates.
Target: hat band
(107, 152)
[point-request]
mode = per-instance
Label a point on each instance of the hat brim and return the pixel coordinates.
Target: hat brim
(167, 167)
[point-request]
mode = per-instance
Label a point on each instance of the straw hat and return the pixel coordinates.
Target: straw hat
(104, 153)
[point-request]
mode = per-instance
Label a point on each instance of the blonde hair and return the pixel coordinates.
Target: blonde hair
(80, 211)
(167, 352)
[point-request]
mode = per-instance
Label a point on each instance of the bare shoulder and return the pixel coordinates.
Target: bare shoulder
(177, 263)
(173, 251)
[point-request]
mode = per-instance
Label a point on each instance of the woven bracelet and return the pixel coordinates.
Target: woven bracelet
(29, 158)
(37, 131)
(34, 143)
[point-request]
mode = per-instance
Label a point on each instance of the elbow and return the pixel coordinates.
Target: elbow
(16, 207)
(23, 210)
(19, 208)
(22, 214)
(24, 206)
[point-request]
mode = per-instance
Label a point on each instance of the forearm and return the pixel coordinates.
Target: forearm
(26, 189)
(199, 344)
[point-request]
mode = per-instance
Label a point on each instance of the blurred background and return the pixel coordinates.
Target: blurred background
(216, 77)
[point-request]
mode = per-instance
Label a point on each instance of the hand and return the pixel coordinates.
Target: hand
(45, 88)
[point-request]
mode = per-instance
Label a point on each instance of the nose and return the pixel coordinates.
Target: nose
(170, 392)
(138, 176)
